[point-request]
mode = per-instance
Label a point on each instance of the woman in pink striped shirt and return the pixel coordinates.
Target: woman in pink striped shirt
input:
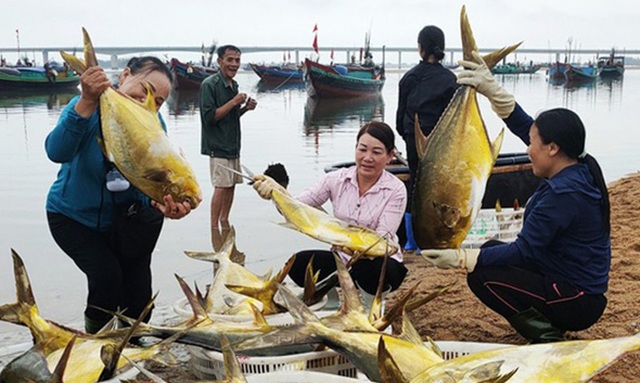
(364, 194)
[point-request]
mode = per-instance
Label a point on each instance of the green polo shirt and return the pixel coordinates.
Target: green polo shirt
(219, 138)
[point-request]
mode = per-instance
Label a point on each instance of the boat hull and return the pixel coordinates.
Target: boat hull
(189, 76)
(277, 74)
(326, 82)
(36, 79)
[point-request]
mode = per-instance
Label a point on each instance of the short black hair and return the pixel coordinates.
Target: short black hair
(381, 131)
(223, 49)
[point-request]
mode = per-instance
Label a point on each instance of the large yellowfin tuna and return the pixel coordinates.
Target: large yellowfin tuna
(133, 139)
(455, 162)
(321, 226)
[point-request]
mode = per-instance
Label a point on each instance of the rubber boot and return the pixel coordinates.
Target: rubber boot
(92, 326)
(411, 244)
(533, 325)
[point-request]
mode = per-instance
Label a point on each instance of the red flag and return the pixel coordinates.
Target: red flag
(284, 56)
(289, 55)
(331, 53)
(315, 28)
(315, 43)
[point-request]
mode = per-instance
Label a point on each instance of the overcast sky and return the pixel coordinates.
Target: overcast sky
(341, 23)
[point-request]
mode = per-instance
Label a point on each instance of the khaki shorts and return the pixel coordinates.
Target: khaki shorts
(221, 177)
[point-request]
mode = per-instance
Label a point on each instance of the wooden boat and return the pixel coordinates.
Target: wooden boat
(278, 74)
(611, 66)
(511, 68)
(326, 81)
(580, 74)
(556, 72)
(511, 179)
(189, 75)
(53, 77)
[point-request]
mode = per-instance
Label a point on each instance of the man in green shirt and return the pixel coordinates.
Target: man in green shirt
(221, 106)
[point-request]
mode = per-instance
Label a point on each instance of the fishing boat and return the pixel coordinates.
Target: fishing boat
(511, 179)
(580, 74)
(53, 76)
(556, 72)
(511, 68)
(325, 81)
(278, 74)
(612, 65)
(190, 75)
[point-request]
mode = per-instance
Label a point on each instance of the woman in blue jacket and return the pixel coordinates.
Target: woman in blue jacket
(108, 228)
(553, 277)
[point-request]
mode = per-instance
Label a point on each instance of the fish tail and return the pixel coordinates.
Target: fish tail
(469, 43)
(496, 145)
(90, 58)
(20, 312)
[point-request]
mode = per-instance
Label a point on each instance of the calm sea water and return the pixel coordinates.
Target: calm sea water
(287, 127)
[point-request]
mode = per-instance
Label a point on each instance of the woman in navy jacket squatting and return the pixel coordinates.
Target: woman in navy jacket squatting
(553, 277)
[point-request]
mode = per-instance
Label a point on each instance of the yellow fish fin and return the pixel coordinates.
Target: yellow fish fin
(157, 175)
(90, 58)
(421, 139)
(389, 370)
(469, 43)
(288, 225)
(150, 101)
(75, 63)
(496, 145)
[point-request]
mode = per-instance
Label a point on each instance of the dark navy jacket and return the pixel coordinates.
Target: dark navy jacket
(562, 232)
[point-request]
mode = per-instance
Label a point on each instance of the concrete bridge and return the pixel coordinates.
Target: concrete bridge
(113, 52)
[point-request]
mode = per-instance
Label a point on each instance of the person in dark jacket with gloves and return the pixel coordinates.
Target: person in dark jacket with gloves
(554, 276)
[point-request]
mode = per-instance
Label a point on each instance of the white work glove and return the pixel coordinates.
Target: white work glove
(478, 75)
(265, 185)
(452, 258)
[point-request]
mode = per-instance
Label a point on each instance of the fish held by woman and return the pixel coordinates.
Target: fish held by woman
(134, 140)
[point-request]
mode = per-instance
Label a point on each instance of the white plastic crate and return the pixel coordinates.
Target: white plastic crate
(300, 376)
(453, 349)
(209, 364)
(490, 224)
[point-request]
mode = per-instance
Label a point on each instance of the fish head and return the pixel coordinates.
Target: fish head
(186, 189)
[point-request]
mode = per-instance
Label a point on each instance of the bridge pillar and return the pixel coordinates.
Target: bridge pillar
(45, 57)
(297, 54)
(399, 59)
(114, 61)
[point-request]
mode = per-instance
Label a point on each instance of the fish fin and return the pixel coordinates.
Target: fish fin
(409, 333)
(154, 378)
(90, 58)
(389, 370)
(310, 280)
(199, 311)
(449, 215)
(430, 344)
(149, 101)
(58, 372)
(258, 319)
(157, 175)
(20, 313)
(288, 225)
(497, 144)
(396, 311)
(469, 43)
(231, 366)
(284, 271)
(375, 312)
(420, 138)
(74, 62)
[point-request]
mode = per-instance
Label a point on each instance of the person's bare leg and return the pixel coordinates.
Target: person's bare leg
(216, 207)
(225, 208)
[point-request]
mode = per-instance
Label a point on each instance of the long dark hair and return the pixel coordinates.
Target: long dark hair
(565, 128)
(381, 131)
(148, 64)
(431, 40)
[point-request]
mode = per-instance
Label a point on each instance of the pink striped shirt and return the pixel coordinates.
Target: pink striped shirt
(381, 208)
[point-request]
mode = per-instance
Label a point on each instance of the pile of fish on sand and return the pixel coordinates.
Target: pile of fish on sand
(134, 141)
